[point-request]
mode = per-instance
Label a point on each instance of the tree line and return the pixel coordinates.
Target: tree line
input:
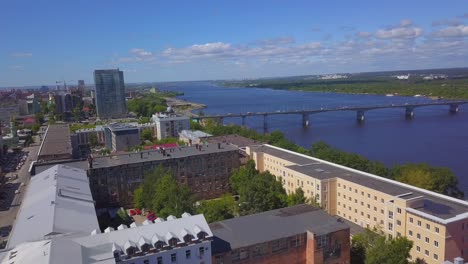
(438, 179)
(253, 192)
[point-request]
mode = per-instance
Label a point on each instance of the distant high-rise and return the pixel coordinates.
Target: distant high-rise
(110, 93)
(81, 87)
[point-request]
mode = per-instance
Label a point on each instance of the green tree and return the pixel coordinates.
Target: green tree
(218, 209)
(372, 248)
(436, 179)
(297, 197)
(138, 198)
(162, 194)
(147, 134)
(123, 217)
(258, 192)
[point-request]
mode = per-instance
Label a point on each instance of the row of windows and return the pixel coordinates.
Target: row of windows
(362, 204)
(427, 239)
(427, 253)
(362, 193)
(188, 255)
(428, 226)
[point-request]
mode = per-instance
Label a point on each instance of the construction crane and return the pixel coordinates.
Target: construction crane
(57, 83)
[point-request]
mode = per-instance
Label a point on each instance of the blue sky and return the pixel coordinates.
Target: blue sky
(42, 41)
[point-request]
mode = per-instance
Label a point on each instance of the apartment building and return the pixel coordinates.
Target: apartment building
(169, 124)
(121, 137)
(297, 234)
(205, 169)
(437, 224)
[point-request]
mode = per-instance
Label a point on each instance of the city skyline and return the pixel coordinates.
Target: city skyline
(200, 41)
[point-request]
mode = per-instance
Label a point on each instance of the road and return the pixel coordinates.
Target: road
(10, 208)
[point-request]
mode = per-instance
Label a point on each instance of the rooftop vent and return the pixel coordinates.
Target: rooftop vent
(122, 227)
(95, 232)
(144, 244)
(186, 215)
(171, 217)
(109, 229)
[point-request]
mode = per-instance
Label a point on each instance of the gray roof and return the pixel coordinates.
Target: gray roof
(57, 201)
(236, 140)
(150, 155)
(121, 126)
(98, 248)
(271, 225)
(441, 206)
(56, 141)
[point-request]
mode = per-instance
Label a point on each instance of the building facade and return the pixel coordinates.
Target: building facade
(170, 125)
(113, 179)
(121, 137)
(110, 93)
(298, 234)
(437, 224)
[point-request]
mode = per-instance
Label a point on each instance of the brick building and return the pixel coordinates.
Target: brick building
(297, 234)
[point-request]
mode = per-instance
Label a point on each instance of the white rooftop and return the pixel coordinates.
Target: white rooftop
(57, 201)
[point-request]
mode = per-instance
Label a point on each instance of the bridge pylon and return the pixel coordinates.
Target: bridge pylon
(305, 120)
(409, 112)
(360, 116)
(453, 108)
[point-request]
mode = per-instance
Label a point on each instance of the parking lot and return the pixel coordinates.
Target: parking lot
(13, 187)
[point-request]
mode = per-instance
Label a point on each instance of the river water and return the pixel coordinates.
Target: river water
(433, 136)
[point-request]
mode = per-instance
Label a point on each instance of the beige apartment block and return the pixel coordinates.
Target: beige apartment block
(437, 224)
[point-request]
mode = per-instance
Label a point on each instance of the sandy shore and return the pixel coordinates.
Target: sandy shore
(183, 107)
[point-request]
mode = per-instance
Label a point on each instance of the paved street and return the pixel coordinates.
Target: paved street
(9, 208)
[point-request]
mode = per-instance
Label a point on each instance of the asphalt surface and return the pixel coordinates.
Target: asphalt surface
(11, 201)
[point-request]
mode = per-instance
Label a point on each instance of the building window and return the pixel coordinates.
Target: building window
(419, 223)
(355, 200)
(418, 248)
(398, 222)
(390, 214)
(427, 240)
(375, 197)
(368, 206)
(382, 211)
(436, 244)
(368, 195)
(428, 226)
(279, 245)
(410, 233)
(426, 252)
(375, 208)
(344, 196)
(219, 259)
(201, 251)
(418, 236)
(146, 261)
(411, 219)
(260, 250)
(188, 254)
(338, 194)
(398, 210)
(322, 241)
(390, 226)
(398, 234)
(159, 260)
(437, 230)
(362, 193)
(173, 257)
(382, 200)
(436, 257)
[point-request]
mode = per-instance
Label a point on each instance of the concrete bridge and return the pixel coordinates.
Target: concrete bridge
(360, 111)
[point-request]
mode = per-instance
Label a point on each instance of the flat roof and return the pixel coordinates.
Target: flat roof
(145, 156)
(57, 201)
(56, 141)
(236, 140)
(439, 205)
(271, 225)
(121, 126)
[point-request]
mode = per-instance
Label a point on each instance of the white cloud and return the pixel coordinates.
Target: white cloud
(141, 53)
(401, 32)
(363, 34)
(21, 54)
(446, 22)
(452, 32)
(406, 22)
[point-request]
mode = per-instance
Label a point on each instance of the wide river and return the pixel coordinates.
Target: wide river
(433, 136)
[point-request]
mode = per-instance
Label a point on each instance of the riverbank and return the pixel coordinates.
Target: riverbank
(184, 107)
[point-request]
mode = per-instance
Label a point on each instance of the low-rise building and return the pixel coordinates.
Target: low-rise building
(297, 234)
(57, 223)
(193, 137)
(170, 125)
(121, 137)
(56, 144)
(205, 169)
(437, 224)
